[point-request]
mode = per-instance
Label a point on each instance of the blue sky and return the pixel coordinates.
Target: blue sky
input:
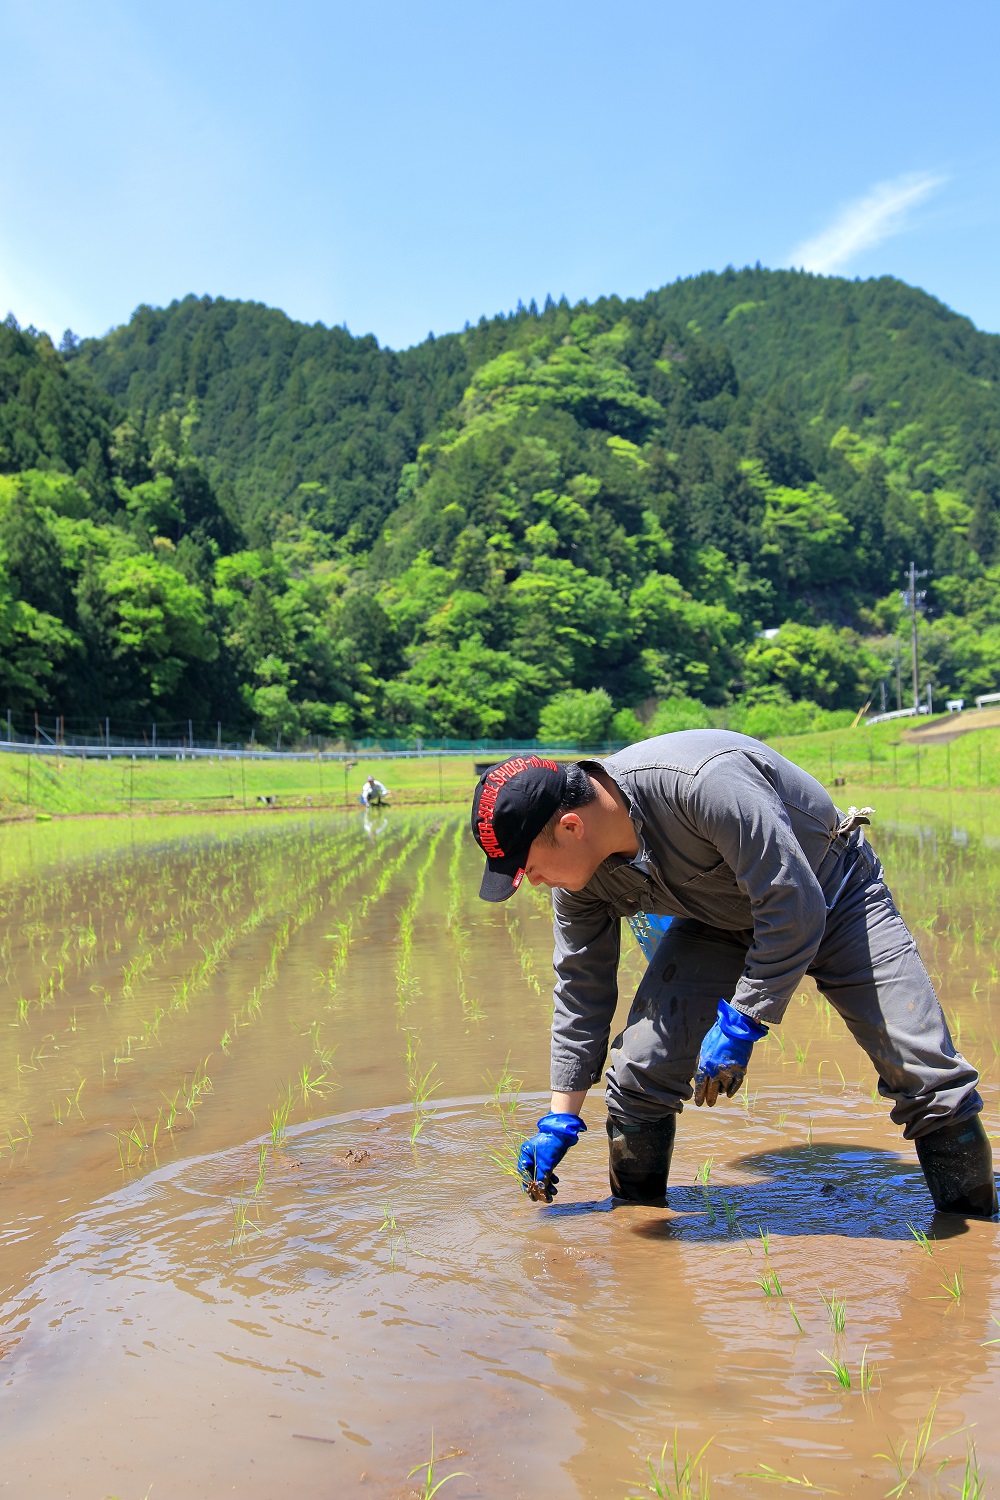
(404, 167)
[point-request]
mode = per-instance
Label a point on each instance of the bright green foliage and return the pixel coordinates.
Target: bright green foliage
(581, 516)
(577, 716)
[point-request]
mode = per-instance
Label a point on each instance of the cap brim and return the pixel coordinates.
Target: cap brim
(502, 877)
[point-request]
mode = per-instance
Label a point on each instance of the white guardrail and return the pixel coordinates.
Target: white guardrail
(985, 698)
(898, 713)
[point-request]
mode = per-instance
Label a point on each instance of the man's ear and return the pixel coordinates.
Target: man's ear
(573, 825)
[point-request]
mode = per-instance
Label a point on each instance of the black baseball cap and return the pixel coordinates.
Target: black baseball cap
(511, 805)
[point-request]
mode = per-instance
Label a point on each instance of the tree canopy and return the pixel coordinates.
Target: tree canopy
(581, 516)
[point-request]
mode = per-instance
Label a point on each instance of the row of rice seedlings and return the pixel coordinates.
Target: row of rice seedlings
(349, 925)
(523, 953)
(406, 981)
(309, 899)
(459, 932)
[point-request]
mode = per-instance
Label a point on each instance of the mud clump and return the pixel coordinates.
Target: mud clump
(538, 1192)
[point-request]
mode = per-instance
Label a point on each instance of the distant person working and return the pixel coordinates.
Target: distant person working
(374, 794)
(765, 881)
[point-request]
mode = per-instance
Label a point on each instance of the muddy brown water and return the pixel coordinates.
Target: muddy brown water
(229, 1266)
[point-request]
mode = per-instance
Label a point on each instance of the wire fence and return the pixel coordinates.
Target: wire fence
(187, 737)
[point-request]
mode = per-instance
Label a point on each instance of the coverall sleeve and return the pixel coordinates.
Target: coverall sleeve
(587, 949)
(734, 807)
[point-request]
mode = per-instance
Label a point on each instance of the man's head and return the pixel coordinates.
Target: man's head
(371, 781)
(527, 818)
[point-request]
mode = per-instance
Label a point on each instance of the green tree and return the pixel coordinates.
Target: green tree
(577, 717)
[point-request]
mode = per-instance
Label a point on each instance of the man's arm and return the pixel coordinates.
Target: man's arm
(587, 950)
(568, 1104)
(734, 806)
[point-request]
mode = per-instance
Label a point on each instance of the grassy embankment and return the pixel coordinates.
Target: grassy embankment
(33, 784)
(864, 759)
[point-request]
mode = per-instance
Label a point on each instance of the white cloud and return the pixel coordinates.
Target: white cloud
(867, 221)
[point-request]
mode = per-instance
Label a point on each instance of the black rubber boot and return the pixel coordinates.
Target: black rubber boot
(958, 1164)
(639, 1153)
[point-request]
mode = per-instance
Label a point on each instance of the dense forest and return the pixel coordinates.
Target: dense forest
(591, 521)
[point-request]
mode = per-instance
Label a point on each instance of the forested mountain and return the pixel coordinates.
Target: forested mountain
(570, 516)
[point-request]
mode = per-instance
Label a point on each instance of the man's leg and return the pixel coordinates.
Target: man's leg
(654, 1058)
(870, 970)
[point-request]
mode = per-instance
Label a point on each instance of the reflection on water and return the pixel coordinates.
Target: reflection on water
(268, 1240)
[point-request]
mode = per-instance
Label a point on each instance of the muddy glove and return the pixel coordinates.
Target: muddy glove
(542, 1153)
(725, 1054)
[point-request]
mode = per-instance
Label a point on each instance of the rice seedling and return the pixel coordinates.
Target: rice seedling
(431, 1485)
(839, 1368)
(996, 1324)
(907, 1457)
(732, 1222)
(973, 1485)
(419, 1083)
(261, 1170)
(921, 1238)
(836, 1308)
(242, 1224)
(765, 1238)
(279, 1117)
(672, 1478)
(135, 1144)
(774, 1476)
(704, 1172)
(395, 1234)
(770, 1283)
(954, 1286)
(309, 1085)
(867, 1372)
(795, 1317)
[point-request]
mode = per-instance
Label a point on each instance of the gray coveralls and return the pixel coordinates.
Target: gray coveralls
(742, 847)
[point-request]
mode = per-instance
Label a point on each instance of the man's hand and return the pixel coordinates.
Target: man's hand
(542, 1153)
(725, 1054)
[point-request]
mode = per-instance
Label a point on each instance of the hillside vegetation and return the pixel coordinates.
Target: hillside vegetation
(577, 521)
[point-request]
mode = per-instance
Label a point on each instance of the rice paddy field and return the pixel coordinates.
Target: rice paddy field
(264, 1078)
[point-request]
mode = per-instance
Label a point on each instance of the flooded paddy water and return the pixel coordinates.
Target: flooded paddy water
(263, 1081)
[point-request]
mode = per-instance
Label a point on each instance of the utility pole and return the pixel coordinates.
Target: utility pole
(913, 599)
(899, 682)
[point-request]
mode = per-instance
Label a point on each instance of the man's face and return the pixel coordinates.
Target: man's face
(568, 862)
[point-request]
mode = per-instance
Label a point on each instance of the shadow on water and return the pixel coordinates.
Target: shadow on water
(850, 1191)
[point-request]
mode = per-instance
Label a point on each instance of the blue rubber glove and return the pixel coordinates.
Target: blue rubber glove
(542, 1153)
(725, 1054)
